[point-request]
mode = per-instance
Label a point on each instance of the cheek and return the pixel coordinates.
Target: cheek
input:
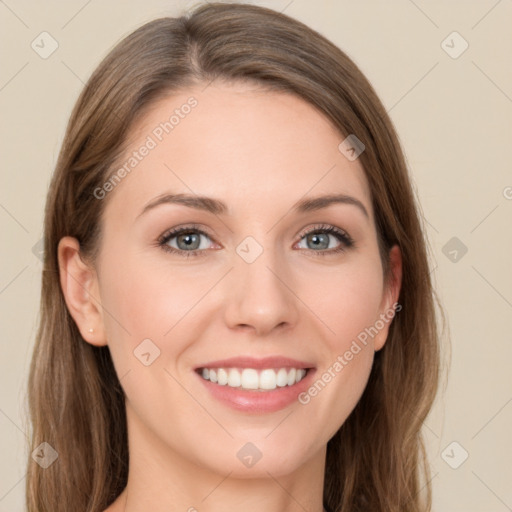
(148, 308)
(146, 301)
(350, 309)
(350, 301)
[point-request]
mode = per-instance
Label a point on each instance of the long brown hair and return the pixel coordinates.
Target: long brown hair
(376, 461)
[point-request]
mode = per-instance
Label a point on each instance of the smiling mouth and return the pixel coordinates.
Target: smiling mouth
(251, 379)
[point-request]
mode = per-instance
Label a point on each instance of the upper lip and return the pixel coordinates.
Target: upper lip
(257, 363)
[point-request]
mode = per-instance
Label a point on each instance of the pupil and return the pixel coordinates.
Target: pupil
(188, 239)
(318, 242)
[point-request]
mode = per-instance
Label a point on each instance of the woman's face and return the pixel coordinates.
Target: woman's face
(255, 290)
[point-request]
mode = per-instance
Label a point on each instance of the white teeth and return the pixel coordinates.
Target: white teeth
(268, 379)
(282, 378)
(250, 378)
(234, 378)
(222, 377)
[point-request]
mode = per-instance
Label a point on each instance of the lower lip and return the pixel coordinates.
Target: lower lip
(258, 401)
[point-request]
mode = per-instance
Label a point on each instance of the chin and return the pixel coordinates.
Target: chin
(256, 457)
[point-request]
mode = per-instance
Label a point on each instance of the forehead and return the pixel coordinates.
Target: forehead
(249, 147)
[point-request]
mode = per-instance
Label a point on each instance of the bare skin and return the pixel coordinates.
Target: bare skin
(259, 152)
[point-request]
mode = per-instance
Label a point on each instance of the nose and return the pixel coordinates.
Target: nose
(260, 295)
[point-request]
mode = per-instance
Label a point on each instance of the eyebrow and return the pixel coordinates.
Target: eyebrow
(217, 207)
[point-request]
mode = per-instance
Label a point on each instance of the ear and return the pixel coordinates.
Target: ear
(79, 285)
(389, 305)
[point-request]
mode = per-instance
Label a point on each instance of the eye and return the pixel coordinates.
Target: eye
(319, 238)
(185, 241)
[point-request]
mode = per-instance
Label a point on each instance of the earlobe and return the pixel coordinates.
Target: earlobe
(390, 298)
(81, 292)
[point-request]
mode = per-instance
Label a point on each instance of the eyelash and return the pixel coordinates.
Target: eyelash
(342, 236)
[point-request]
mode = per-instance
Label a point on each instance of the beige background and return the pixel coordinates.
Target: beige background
(454, 118)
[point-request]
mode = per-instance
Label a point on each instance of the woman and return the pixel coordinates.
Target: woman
(236, 302)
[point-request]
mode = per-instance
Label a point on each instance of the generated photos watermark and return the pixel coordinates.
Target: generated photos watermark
(344, 359)
(156, 136)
